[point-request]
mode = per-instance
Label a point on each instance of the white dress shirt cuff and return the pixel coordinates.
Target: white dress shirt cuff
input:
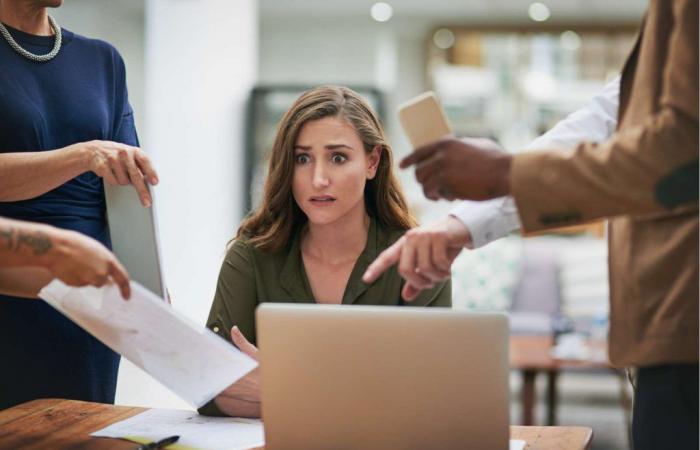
(488, 220)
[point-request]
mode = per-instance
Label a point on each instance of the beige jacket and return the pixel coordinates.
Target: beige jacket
(645, 178)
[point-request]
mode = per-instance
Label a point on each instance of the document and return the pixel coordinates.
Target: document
(195, 431)
(187, 358)
(517, 444)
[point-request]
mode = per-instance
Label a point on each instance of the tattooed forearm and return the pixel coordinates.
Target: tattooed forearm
(7, 237)
(15, 240)
(38, 242)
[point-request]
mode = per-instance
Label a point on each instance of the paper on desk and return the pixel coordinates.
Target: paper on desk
(189, 359)
(517, 444)
(195, 431)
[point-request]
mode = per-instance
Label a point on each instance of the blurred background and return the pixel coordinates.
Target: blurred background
(209, 79)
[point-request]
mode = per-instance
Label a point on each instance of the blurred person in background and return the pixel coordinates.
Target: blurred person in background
(65, 126)
(645, 180)
(331, 204)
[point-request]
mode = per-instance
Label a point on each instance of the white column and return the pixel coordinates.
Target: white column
(200, 64)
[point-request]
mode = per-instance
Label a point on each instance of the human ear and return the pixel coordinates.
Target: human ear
(373, 159)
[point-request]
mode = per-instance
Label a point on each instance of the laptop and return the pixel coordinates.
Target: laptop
(372, 377)
(133, 230)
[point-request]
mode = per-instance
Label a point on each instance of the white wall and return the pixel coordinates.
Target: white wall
(200, 67)
(346, 50)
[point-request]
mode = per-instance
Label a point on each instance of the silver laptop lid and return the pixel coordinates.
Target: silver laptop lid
(364, 377)
(133, 230)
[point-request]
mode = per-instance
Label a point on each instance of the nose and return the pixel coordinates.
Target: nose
(321, 178)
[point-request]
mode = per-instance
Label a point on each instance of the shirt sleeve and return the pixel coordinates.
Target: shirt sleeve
(493, 219)
(234, 303)
(124, 127)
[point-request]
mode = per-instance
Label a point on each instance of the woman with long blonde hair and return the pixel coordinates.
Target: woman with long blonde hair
(331, 204)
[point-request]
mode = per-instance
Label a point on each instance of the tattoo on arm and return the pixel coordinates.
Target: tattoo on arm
(7, 235)
(37, 242)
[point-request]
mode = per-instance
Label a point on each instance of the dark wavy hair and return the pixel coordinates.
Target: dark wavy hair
(272, 224)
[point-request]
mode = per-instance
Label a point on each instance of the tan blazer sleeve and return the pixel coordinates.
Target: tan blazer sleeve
(648, 167)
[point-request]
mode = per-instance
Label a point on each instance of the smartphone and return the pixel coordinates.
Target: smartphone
(423, 119)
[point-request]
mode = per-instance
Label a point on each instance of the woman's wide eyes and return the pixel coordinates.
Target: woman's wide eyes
(303, 159)
(339, 158)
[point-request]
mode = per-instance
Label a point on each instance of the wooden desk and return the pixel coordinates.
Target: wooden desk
(531, 355)
(67, 424)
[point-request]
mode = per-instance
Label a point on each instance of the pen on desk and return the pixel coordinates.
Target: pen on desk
(159, 444)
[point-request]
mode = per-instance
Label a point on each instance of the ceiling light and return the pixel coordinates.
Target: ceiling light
(570, 40)
(539, 12)
(444, 38)
(381, 11)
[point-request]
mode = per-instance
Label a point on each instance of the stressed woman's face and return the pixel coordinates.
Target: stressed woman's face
(331, 168)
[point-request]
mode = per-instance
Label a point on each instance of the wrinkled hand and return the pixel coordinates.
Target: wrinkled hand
(424, 254)
(247, 388)
(79, 260)
(121, 164)
(470, 168)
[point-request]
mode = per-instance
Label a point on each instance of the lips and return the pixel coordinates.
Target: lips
(322, 199)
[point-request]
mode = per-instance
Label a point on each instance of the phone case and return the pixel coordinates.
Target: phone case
(423, 119)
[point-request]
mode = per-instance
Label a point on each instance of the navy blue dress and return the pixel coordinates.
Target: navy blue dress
(78, 96)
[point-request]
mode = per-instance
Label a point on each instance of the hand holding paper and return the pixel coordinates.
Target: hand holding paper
(189, 359)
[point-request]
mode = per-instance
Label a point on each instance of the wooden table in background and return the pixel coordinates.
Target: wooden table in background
(531, 355)
(66, 424)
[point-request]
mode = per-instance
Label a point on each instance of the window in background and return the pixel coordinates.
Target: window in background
(512, 84)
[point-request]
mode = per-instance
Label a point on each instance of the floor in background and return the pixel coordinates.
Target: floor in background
(585, 399)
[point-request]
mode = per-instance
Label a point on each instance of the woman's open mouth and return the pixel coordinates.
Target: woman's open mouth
(322, 200)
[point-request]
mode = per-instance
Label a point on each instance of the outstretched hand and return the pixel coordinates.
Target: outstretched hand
(424, 255)
(469, 169)
(79, 260)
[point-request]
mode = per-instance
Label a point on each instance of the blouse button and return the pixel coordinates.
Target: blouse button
(216, 329)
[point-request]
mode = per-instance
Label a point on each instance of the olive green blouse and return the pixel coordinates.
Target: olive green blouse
(249, 277)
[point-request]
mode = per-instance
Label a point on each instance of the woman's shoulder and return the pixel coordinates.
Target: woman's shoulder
(97, 47)
(240, 247)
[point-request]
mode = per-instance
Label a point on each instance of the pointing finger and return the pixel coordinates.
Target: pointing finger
(386, 259)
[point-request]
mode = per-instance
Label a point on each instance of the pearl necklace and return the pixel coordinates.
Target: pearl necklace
(38, 58)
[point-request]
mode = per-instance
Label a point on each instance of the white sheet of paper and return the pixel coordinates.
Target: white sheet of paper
(517, 444)
(187, 358)
(200, 432)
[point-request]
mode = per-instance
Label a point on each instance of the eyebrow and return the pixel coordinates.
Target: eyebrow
(327, 147)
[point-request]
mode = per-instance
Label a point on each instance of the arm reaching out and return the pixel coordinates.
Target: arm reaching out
(475, 224)
(34, 253)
